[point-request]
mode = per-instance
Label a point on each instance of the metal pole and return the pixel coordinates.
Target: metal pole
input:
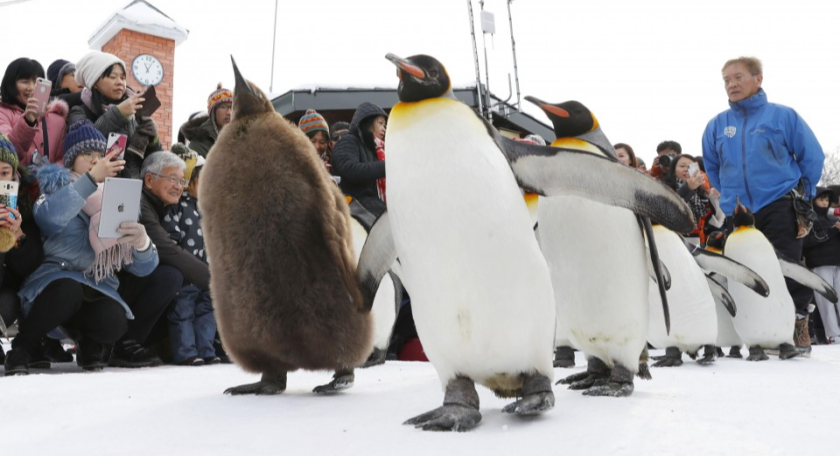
(475, 59)
(489, 114)
(515, 67)
(273, 46)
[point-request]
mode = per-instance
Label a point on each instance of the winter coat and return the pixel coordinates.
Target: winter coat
(758, 151)
(183, 223)
(113, 121)
(67, 250)
(27, 139)
(201, 134)
(152, 215)
(354, 160)
(822, 246)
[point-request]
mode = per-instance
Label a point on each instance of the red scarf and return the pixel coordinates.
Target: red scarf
(380, 154)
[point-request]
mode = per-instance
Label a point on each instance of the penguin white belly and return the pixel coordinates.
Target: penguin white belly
(597, 258)
(384, 310)
(769, 321)
(691, 304)
(481, 292)
(727, 335)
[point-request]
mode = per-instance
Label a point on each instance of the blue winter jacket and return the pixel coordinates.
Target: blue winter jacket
(67, 249)
(758, 151)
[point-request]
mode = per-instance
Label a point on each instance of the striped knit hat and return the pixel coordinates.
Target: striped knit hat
(82, 137)
(312, 122)
(7, 152)
(220, 95)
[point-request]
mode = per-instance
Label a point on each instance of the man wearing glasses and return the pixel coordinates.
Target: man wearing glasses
(761, 152)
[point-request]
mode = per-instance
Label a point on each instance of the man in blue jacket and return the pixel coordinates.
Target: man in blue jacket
(759, 152)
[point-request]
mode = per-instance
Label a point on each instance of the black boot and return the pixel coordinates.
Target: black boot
(90, 355)
(54, 352)
(129, 353)
(17, 362)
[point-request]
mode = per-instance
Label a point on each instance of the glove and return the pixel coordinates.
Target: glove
(134, 234)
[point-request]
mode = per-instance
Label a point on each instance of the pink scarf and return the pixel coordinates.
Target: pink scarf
(111, 256)
(380, 154)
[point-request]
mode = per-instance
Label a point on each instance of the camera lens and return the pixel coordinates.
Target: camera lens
(665, 161)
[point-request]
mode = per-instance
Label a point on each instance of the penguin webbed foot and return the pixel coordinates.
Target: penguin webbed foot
(453, 417)
(590, 381)
(735, 352)
(269, 384)
(376, 358)
(342, 380)
(537, 397)
(757, 354)
(611, 389)
(709, 353)
(564, 357)
(672, 358)
(644, 372)
(788, 351)
(459, 411)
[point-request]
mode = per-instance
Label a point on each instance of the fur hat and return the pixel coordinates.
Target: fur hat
(7, 152)
(312, 122)
(219, 96)
(90, 68)
(82, 137)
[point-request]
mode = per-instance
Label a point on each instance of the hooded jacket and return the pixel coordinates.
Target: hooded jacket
(822, 246)
(354, 160)
(758, 151)
(201, 134)
(27, 139)
(67, 249)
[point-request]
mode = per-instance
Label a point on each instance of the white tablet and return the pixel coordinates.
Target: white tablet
(120, 203)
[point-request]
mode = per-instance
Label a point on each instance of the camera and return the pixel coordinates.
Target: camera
(665, 160)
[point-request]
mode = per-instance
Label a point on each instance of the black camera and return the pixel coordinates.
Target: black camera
(665, 160)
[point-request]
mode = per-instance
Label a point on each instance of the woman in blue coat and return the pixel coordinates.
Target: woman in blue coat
(76, 286)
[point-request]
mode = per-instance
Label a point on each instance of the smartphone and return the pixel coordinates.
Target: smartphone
(150, 103)
(9, 194)
(116, 140)
(42, 93)
(693, 169)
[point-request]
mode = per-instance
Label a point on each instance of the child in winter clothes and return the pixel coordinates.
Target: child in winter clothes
(822, 255)
(192, 326)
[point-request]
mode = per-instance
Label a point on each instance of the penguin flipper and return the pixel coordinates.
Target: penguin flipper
(721, 295)
(361, 214)
(729, 268)
(662, 276)
(793, 270)
(551, 171)
(377, 257)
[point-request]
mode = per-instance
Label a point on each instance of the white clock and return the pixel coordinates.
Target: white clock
(147, 69)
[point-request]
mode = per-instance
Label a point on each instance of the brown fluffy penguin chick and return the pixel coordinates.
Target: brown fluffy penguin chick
(281, 256)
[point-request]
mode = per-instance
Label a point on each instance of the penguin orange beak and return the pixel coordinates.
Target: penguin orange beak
(403, 65)
(559, 112)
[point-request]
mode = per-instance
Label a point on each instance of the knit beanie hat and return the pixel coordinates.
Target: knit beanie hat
(82, 137)
(312, 122)
(220, 95)
(90, 68)
(7, 152)
(54, 69)
(189, 156)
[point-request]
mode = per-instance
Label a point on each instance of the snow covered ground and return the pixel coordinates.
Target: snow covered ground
(731, 407)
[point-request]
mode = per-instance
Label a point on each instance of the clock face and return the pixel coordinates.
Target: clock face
(147, 69)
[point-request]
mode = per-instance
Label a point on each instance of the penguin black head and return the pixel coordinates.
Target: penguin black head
(570, 118)
(716, 240)
(742, 216)
(421, 77)
(248, 99)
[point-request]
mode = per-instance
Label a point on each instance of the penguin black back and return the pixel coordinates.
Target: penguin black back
(421, 77)
(742, 216)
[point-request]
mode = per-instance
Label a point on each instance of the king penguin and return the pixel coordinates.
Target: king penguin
(766, 322)
(584, 242)
(481, 291)
(283, 272)
(727, 335)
